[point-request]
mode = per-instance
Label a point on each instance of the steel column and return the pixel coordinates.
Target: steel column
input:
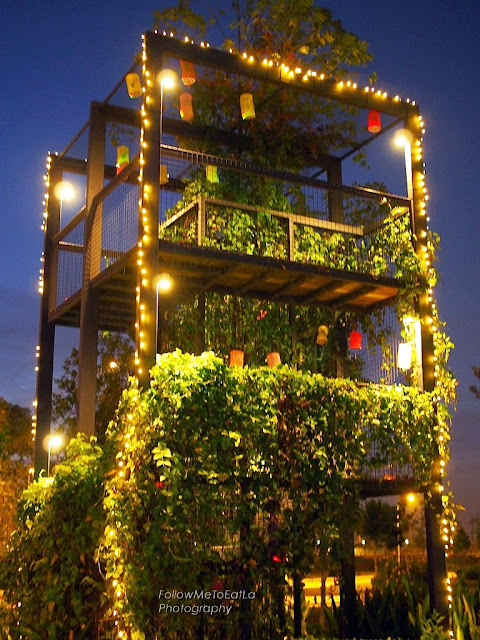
(87, 365)
(46, 340)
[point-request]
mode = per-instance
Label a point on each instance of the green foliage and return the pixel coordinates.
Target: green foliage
(474, 389)
(264, 456)
(272, 448)
(49, 575)
(15, 430)
(396, 606)
(466, 612)
(433, 628)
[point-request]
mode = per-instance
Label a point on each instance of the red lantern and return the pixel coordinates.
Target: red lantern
(355, 341)
(186, 109)
(188, 73)
(374, 121)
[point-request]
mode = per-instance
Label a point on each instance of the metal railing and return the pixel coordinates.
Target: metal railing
(114, 215)
(260, 231)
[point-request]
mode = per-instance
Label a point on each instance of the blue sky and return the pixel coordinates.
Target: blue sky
(58, 56)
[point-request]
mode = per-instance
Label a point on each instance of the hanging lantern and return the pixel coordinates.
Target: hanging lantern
(404, 356)
(273, 359)
(123, 157)
(355, 341)
(322, 335)
(236, 358)
(247, 107)
(188, 73)
(186, 109)
(211, 173)
(163, 174)
(134, 86)
(374, 121)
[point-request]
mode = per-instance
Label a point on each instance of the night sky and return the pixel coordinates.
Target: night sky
(57, 56)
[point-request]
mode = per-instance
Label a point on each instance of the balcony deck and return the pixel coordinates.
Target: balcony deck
(197, 269)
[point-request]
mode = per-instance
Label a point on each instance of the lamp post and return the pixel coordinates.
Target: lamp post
(163, 285)
(54, 443)
(409, 498)
(167, 79)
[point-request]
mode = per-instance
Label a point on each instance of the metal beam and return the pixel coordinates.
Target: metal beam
(158, 45)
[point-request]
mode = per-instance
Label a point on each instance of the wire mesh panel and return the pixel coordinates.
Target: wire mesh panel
(378, 362)
(119, 223)
(70, 263)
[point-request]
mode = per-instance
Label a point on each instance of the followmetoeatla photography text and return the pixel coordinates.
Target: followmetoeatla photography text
(192, 602)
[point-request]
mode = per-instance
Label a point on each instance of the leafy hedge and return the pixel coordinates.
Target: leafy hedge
(205, 477)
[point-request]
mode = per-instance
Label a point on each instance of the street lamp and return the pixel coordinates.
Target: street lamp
(54, 443)
(64, 192)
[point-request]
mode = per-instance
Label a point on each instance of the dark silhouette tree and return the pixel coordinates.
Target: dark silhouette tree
(114, 364)
(15, 460)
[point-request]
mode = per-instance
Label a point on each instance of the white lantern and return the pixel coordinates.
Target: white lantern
(404, 356)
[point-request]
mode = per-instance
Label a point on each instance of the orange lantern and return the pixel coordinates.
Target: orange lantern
(186, 109)
(123, 157)
(374, 121)
(236, 358)
(273, 359)
(134, 86)
(355, 341)
(188, 73)
(246, 106)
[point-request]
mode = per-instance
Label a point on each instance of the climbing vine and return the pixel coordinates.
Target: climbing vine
(206, 477)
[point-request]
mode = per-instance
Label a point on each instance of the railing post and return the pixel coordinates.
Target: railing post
(291, 240)
(201, 220)
(335, 198)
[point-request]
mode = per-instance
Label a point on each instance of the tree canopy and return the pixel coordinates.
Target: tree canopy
(290, 130)
(15, 460)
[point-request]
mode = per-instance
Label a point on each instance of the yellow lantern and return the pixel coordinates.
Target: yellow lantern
(246, 106)
(211, 173)
(322, 335)
(123, 157)
(134, 86)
